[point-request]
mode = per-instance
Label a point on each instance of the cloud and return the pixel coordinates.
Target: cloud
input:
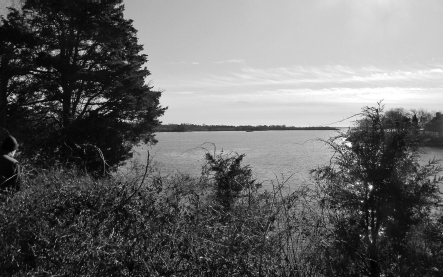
(360, 96)
(174, 63)
(183, 92)
(298, 86)
(232, 61)
(318, 78)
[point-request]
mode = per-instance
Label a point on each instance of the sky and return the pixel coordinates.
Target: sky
(292, 62)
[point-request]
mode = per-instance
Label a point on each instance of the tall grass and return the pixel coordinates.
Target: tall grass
(67, 223)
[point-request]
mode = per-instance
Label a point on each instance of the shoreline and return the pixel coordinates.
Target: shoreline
(248, 130)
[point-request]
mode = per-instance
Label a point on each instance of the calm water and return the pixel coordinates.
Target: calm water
(272, 155)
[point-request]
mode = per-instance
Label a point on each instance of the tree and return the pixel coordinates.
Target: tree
(88, 84)
(14, 62)
(436, 125)
(374, 192)
(423, 117)
(230, 177)
(50, 2)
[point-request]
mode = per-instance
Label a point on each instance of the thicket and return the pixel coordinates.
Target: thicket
(374, 211)
(379, 201)
(66, 223)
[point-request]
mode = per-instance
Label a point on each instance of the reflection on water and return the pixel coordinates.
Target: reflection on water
(271, 154)
(430, 153)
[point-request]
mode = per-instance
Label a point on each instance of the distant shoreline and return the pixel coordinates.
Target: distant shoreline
(239, 129)
(433, 142)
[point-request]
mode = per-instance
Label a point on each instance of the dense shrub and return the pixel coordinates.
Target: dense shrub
(379, 200)
(230, 178)
(67, 223)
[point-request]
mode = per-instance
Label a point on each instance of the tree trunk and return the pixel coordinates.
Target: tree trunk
(374, 267)
(66, 109)
(4, 80)
(3, 101)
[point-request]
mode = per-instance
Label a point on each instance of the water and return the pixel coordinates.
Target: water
(272, 155)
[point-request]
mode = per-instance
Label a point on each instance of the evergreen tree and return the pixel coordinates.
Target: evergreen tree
(230, 178)
(86, 87)
(15, 42)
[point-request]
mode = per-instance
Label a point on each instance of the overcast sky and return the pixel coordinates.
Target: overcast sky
(293, 62)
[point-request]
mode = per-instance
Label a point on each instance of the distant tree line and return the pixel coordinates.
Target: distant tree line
(184, 127)
(429, 124)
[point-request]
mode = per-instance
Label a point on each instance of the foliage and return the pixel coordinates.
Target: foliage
(248, 128)
(374, 193)
(230, 177)
(423, 117)
(373, 198)
(15, 42)
(424, 253)
(67, 223)
(50, 2)
(395, 116)
(85, 84)
(436, 125)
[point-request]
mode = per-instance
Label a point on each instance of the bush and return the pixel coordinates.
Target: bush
(229, 177)
(67, 223)
(377, 198)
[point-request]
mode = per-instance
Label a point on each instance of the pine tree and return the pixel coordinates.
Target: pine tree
(87, 85)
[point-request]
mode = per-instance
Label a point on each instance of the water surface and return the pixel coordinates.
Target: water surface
(272, 155)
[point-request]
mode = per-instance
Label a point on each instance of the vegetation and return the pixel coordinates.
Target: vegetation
(72, 72)
(430, 124)
(374, 212)
(194, 127)
(230, 178)
(67, 223)
(376, 193)
(436, 125)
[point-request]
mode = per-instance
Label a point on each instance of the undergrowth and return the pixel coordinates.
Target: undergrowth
(67, 223)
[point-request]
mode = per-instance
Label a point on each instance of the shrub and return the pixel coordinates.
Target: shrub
(230, 178)
(67, 223)
(375, 195)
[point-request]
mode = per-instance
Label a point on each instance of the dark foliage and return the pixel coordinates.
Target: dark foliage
(230, 177)
(67, 223)
(376, 193)
(436, 125)
(84, 84)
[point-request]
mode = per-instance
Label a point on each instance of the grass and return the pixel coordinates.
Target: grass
(67, 223)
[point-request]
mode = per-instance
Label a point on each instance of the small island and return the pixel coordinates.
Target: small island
(185, 127)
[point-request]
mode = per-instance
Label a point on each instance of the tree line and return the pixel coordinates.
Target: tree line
(195, 127)
(429, 124)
